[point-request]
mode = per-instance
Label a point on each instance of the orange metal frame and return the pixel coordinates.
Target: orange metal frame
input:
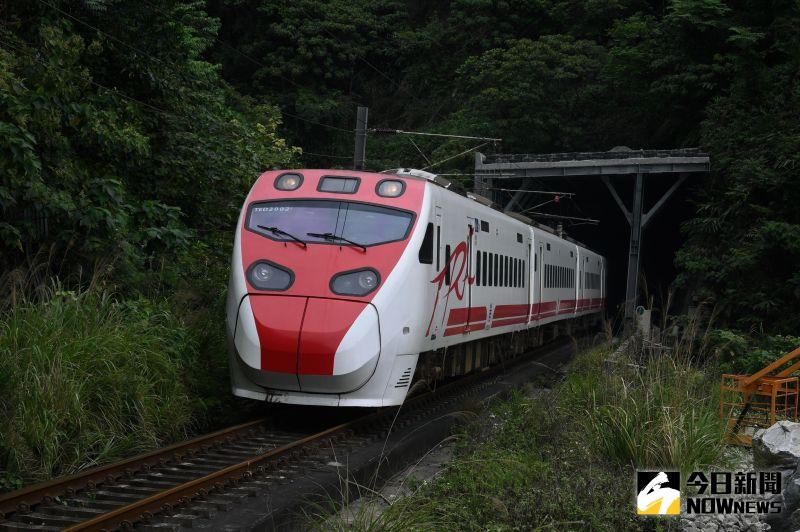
(759, 400)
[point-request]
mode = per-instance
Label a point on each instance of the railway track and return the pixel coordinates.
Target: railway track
(194, 481)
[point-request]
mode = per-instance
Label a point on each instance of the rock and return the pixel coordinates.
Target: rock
(777, 447)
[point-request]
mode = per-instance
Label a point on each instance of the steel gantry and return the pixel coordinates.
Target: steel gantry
(489, 169)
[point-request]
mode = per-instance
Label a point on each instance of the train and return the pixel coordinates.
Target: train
(355, 289)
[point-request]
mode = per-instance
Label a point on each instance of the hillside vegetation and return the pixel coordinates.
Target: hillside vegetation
(130, 132)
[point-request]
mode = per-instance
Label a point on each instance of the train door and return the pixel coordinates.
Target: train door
(528, 279)
(472, 242)
(539, 263)
(576, 275)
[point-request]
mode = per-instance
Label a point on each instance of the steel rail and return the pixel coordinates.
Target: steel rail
(143, 509)
(22, 499)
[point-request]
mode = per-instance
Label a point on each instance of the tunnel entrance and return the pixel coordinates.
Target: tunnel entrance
(614, 199)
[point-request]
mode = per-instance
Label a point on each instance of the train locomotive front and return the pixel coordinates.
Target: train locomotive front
(321, 299)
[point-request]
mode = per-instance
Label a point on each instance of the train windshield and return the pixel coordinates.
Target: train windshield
(310, 220)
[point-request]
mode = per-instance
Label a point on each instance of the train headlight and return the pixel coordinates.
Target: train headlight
(265, 275)
(288, 181)
(355, 283)
(390, 188)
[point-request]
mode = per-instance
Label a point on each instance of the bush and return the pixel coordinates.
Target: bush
(740, 353)
(86, 378)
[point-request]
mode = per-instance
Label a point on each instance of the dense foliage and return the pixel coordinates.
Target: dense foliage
(135, 127)
(130, 132)
(116, 131)
(565, 75)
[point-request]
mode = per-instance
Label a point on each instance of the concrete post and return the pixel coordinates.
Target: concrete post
(632, 285)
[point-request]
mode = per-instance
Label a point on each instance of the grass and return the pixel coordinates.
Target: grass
(564, 459)
(656, 412)
(86, 378)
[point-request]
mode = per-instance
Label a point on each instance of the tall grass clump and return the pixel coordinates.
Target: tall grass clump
(650, 410)
(86, 378)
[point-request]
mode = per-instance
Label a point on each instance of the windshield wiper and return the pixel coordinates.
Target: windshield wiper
(330, 236)
(277, 231)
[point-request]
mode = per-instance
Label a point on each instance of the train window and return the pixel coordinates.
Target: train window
(499, 272)
(426, 249)
(339, 185)
(484, 268)
(548, 246)
(503, 268)
(447, 264)
(478, 268)
(496, 277)
(535, 262)
(484, 226)
(524, 276)
(508, 271)
(514, 272)
(312, 220)
(490, 273)
(517, 268)
(519, 237)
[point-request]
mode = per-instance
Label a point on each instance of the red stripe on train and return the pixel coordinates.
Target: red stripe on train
(460, 315)
(508, 311)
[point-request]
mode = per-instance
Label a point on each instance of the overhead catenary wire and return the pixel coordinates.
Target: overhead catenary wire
(526, 191)
(437, 163)
(562, 217)
(320, 124)
(330, 156)
(411, 140)
(426, 134)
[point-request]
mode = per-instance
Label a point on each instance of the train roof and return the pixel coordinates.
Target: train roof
(413, 173)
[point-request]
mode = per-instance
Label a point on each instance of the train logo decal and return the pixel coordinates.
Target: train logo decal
(458, 282)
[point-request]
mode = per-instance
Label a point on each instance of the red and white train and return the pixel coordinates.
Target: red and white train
(347, 287)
